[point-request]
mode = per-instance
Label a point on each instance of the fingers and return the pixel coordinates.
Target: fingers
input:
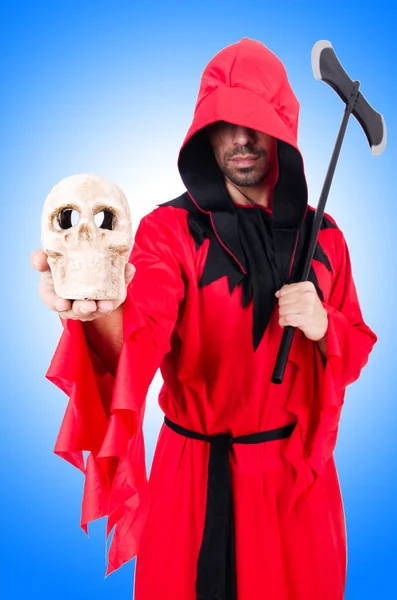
(71, 314)
(305, 311)
(38, 260)
(50, 298)
(48, 295)
(83, 310)
(61, 305)
(129, 273)
(294, 320)
(104, 307)
(79, 310)
(299, 306)
(296, 308)
(88, 310)
(300, 297)
(300, 287)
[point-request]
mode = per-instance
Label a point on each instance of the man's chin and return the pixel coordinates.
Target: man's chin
(245, 177)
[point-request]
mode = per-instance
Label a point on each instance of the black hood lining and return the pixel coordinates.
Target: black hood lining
(205, 182)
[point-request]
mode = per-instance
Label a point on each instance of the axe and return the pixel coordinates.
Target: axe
(327, 67)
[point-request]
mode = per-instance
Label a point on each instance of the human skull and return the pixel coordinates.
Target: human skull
(87, 258)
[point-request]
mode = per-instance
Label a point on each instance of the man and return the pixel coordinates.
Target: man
(243, 499)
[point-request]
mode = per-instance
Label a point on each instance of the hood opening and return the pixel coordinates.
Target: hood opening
(205, 182)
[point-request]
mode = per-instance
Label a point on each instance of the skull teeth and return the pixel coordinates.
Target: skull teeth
(86, 264)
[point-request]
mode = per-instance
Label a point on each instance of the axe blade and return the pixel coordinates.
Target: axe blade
(327, 68)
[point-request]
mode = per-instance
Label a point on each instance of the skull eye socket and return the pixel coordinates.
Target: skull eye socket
(67, 218)
(104, 219)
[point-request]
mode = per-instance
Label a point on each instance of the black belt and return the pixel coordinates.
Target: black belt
(216, 568)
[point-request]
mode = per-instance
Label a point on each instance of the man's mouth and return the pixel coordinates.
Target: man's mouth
(244, 161)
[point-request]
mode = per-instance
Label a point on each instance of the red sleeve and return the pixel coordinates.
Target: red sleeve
(105, 414)
(348, 345)
(349, 339)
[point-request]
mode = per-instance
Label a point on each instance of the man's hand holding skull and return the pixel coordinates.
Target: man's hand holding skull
(82, 310)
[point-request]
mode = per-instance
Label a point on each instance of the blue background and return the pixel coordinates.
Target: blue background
(109, 88)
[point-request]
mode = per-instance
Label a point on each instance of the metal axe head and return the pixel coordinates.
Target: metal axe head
(327, 67)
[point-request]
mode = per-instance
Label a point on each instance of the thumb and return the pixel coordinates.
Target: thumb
(38, 260)
(129, 272)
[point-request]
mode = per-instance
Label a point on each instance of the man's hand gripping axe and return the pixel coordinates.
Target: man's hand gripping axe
(327, 67)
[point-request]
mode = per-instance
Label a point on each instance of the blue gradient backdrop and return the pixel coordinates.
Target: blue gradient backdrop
(109, 87)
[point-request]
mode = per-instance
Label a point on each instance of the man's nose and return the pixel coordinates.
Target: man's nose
(243, 135)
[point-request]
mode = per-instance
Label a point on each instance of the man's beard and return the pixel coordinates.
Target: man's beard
(245, 176)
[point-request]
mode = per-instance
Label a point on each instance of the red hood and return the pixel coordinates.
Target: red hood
(246, 84)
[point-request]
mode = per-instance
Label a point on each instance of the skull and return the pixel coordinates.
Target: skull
(86, 233)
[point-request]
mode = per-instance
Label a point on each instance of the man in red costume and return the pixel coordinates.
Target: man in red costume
(243, 500)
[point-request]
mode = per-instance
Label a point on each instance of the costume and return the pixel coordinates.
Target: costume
(255, 512)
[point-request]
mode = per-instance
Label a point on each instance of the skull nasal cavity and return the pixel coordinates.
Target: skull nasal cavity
(84, 233)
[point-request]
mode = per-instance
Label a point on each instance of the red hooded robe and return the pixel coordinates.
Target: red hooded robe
(275, 512)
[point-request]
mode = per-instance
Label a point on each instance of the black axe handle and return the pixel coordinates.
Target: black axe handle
(327, 67)
(288, 333)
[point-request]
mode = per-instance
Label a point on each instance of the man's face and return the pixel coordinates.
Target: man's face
(244, 155)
